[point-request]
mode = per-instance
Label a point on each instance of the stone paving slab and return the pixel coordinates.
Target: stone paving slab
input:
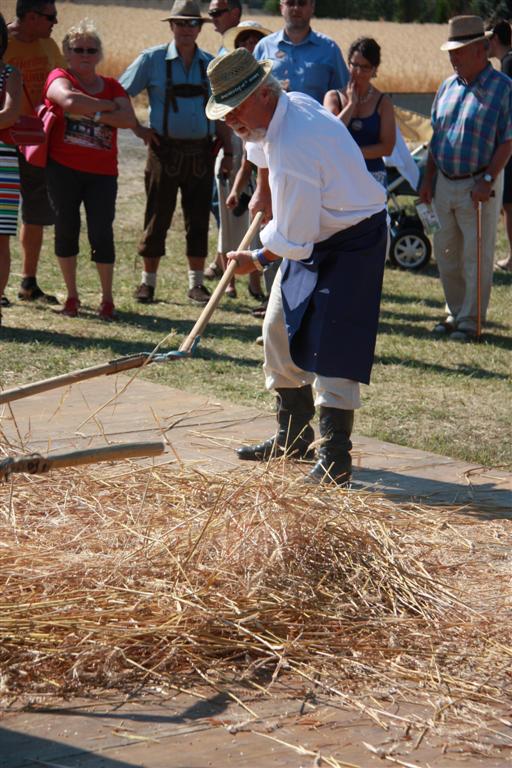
(203, 432)
(183, 732)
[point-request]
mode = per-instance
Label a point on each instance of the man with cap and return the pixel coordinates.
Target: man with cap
(500, 47)
(179, 146)
(330, 229)
(471, 143)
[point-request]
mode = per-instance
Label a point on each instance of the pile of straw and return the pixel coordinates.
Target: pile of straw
(154, 576)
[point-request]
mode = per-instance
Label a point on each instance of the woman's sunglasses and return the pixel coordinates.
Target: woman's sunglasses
(90, 51)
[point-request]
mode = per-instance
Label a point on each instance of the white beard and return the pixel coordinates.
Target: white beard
(256, 134)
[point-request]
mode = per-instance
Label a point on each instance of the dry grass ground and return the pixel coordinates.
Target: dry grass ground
(411, 59)
(134, 579)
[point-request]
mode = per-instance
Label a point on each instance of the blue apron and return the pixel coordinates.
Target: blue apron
(331, 301)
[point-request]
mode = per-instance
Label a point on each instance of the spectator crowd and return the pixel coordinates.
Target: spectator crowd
(468, 173)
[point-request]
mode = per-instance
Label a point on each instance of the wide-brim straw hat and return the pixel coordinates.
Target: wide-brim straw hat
(464, 30)
(184, 10)
(233, 78)
(230, 36)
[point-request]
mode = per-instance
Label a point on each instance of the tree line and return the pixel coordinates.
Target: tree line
(435, 11)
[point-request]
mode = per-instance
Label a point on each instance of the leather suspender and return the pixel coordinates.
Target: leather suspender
(183, 90)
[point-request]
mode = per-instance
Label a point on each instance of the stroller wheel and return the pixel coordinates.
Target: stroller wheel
(410, 249)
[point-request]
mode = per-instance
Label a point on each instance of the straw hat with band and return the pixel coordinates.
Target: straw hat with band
(231, 35)
(185, 10)
(464, 30)
(233, 78)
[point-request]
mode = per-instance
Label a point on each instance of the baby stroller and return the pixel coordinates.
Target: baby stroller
(410, 247)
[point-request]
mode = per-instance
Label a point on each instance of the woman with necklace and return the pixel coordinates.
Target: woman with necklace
(82, 160)
(367, 113)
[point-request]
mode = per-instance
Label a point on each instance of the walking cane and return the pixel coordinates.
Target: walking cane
(478, 270)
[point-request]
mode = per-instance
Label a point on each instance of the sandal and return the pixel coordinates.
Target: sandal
(71, 307)
(213, 272)
(107, 311)
(230, 292)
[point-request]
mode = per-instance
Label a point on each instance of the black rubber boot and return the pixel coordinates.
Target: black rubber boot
(295, 409)
(333, 459)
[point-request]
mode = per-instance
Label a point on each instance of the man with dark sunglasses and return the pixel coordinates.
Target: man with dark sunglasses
(179, 141)
(224, 14)
(32, 50)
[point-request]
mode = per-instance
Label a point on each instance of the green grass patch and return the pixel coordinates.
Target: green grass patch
(427, 393)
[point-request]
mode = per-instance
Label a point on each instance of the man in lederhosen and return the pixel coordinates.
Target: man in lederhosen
(179, 146)
(329, 226)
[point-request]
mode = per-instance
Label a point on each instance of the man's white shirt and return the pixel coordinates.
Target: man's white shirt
(317, 175)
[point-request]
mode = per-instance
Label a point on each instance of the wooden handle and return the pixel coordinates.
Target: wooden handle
(36, 465)
(216, 296)
(115, 366)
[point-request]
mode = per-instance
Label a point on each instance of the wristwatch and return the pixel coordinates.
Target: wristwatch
(488, 178)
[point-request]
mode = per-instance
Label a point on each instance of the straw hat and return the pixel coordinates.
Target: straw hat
(464, 30)
(183, 10)
(233, 78)
(230, 36)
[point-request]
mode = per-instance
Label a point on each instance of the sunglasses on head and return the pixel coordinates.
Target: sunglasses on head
(188, 23)
(47, 16)
(90, 51)
(219, 12)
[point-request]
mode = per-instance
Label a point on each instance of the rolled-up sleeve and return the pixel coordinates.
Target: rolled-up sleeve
(135, 78)
(295, 227)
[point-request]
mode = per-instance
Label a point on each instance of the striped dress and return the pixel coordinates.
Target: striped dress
(9, 178)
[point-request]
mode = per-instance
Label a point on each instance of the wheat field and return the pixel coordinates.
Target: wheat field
(411, 59)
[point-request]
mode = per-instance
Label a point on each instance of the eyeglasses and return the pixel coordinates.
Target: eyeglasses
(362, 67)
(291, 3)
(47, 16)
(219, 12)
(90, 51)
(193, 23)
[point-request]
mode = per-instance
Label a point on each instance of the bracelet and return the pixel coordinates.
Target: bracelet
(259, 259)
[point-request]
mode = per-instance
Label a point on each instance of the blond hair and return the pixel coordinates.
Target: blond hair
(84, 28)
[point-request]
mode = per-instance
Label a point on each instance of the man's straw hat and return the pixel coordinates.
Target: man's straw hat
(233, 78)
(464, 30)
(183, 10)
(231, 35)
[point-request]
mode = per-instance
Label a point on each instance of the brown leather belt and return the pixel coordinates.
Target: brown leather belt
(465, 176)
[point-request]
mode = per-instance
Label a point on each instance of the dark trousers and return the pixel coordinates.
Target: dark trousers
(178, 165)
(67, 190)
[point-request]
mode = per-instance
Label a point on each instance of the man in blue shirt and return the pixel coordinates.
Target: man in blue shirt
(179, 146)
(303, 60)
(471, 143)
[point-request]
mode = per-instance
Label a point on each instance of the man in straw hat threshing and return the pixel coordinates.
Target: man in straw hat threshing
(471, 143)
(179, 146)
(329, 226)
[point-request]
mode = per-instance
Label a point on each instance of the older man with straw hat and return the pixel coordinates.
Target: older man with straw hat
(330, 229)
(471, 143)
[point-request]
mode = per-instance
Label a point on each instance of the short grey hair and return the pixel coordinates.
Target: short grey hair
(84, 28)
(274, 86)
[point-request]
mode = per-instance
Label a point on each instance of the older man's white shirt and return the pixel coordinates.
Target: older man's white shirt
(317, 176)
